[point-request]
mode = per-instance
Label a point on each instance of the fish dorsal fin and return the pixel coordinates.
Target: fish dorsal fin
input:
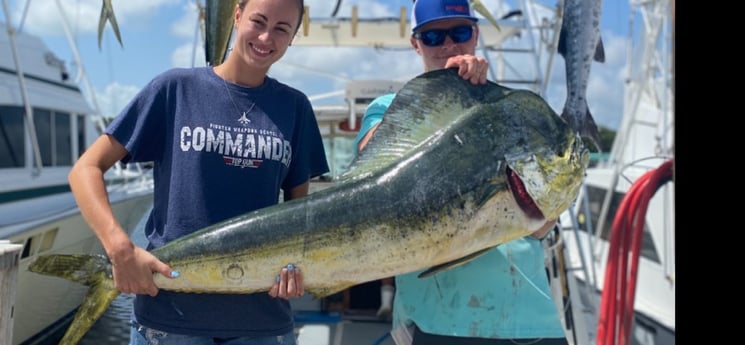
(452, 264)
(422, 109)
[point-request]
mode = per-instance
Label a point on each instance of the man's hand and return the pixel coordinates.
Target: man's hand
(544, 230)
(288, 283)
(472, 68)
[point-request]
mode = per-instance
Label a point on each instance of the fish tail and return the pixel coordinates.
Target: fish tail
(479, 7)
(95, 303)
(587, 129)
(107, 15)
(91, 270)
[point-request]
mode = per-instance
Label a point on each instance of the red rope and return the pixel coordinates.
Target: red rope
(619, 289)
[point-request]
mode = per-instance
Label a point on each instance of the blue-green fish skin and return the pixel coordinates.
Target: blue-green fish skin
(435, 186)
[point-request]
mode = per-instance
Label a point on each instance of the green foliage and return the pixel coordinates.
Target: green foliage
(607, 136)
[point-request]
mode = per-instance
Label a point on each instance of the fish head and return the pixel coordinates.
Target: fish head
(547, 162)
(547, 182)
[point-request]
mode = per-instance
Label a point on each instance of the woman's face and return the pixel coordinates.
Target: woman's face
(264, 30)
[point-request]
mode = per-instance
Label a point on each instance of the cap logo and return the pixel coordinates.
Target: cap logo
(456, 8)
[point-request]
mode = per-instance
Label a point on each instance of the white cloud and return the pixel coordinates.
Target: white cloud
(43, 17)
(114, 97)
(186, 55)
(186, 25)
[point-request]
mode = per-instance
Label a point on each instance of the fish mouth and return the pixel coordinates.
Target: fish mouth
(521, 195)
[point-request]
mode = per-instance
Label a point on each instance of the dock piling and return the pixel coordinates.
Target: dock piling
(10, 255)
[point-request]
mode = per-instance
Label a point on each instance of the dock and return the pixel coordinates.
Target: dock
(10, 255)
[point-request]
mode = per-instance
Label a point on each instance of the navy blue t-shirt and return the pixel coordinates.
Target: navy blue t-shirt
(219, 150)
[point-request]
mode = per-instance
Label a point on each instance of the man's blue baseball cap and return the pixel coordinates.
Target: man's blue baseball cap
(425, 11)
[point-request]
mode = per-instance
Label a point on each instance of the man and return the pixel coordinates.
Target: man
(502, 297)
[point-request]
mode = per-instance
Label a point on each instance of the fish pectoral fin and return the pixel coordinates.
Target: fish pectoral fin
(489, 190)
(599, 51)
(452, 264)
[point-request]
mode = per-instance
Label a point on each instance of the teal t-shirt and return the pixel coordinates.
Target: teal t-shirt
(373, 115)
(504, 293)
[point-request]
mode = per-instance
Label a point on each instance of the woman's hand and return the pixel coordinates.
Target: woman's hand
(288, 283)
(133, 271)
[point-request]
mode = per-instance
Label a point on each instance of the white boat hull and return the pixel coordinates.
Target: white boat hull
(43, 302)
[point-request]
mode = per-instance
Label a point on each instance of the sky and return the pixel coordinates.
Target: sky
(162, 34)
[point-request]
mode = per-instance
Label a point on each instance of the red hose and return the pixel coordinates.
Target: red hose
(619, 289)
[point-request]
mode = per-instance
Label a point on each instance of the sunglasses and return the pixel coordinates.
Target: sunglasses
(436, 37)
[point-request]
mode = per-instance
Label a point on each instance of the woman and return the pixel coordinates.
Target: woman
(224, 140)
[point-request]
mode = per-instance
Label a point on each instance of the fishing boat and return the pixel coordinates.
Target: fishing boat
(46, 123)
(617, 244)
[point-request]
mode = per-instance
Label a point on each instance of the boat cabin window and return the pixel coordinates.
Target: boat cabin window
(54, 132)
(62, 145)
(59, 135)
(12, 145)
(42, 119)
(81, 134)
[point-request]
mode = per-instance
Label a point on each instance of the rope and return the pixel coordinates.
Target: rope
(619, 289)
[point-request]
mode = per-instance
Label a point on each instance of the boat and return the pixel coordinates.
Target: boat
(617, 244)
(583, 275)
(46, 123)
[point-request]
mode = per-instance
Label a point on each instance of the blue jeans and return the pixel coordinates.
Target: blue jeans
(141, 335)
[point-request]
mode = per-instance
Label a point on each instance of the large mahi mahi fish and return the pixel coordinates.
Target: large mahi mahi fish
(453, 170)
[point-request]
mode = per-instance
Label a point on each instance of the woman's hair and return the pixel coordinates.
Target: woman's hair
(300, 3)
